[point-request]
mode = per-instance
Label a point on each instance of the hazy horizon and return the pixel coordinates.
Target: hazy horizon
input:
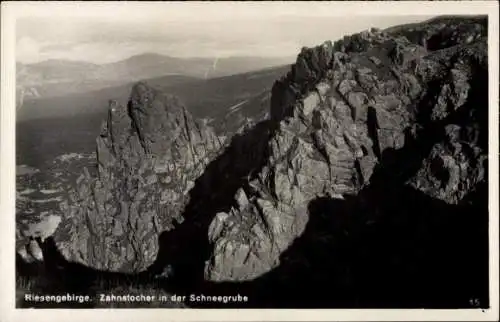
(69, 59)
(106, 36)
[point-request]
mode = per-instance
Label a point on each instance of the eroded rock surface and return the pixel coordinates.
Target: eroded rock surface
(149, 154)
(341, 107)
(368, 171)
(374, 136)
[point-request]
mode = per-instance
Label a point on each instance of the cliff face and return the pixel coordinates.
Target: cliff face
(337, 115)
(390, 124)
(149, 154)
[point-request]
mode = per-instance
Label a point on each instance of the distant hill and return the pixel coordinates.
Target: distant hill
(54, 71)
(53, 78)
(75, 95)
(48, 127)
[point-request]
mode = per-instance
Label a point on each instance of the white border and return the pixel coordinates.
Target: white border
(11, 10)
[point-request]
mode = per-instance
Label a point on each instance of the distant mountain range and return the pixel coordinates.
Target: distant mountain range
(50, 126)
(61, 77)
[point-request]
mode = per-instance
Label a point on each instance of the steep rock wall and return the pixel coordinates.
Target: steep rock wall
(335, 114)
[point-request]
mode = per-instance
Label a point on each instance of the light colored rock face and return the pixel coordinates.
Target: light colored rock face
(27, 232)
(148, 158)
(30, 252)
(44, 228)
(337, 114)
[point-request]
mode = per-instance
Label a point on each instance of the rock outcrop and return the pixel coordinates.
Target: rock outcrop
(444, 31)
(336, 114)
(28, 232)
(149, 154)
(373, 133)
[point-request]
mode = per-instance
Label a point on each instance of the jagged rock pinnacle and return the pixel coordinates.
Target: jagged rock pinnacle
(149, 155)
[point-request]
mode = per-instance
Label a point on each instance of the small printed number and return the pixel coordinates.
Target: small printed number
(474, 302)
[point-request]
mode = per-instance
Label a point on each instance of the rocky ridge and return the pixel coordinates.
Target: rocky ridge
(336, 113)
(391, 125)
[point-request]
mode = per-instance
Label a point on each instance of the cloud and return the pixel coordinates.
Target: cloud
(102, 39)
(27, 50)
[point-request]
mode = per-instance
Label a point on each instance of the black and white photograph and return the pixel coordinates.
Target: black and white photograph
(224, 155)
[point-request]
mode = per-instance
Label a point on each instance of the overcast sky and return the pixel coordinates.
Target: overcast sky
(115, 33)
